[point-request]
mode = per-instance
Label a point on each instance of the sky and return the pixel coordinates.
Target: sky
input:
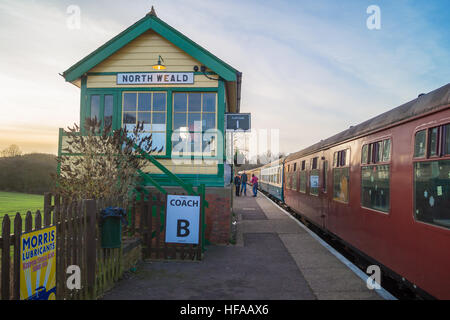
(310, 68)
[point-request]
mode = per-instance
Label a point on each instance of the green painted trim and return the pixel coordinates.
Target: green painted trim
(169, 117)
(151, 23)
(83, 100)
(187, 89)
(115, 73)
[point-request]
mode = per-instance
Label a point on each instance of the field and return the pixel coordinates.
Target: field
(13, 202)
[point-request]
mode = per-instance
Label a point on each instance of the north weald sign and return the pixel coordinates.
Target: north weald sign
(183, 219)
(155, 78)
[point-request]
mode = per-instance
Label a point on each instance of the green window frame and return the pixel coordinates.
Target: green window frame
(149, 107)
(195, 124)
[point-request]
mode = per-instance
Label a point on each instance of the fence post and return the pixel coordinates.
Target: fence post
(6, 257)
(91, 244)
(17, 235)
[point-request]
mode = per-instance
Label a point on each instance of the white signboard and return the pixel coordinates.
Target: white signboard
(182, 219)
(156, 78)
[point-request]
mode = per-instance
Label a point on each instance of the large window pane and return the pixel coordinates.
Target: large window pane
(144, 101)
(159, 141)
(340, 184)
(129, 101)
(108, 111)
(145, 117)
(432, 192)
(179, 120)
(209, 121)
(159, 102)
(95, 107)
(192, 119)
(129, 120)
(209, 102)
(195, 102)
(420, 143)
(159, 121)
(375, 187)
(180, 102)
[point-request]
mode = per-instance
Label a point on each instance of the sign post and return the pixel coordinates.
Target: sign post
(38, 265)
(183, 219)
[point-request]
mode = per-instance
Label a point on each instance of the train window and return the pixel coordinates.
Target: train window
(432, 192)
(375, 152)
(314, 182)
(340, 184)
(446, 136)
(303, 165)
(433, 141)
(314, 163)
(303, 177)
(375, 187)
(420, 144)
(386, 150)
(341, 158)
(295, 166)
(364, 153)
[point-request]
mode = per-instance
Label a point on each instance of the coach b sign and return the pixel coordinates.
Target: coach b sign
(182, 219)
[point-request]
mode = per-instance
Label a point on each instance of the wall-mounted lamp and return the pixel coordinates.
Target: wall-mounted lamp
(159, 65)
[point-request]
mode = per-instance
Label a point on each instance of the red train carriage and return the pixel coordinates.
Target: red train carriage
(383, 187)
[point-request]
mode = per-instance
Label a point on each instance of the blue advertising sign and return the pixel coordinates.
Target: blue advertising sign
(182, 219)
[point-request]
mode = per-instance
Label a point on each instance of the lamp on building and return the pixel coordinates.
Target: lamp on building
(159, 65)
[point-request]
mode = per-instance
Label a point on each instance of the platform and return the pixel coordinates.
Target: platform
(274, 258)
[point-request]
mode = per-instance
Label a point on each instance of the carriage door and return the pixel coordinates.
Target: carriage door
(102, 107)
(324, 192)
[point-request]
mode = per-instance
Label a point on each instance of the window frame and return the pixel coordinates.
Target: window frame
(379, 163)
(337, 165)
(151, 92)
(201, 112)
(426, 158)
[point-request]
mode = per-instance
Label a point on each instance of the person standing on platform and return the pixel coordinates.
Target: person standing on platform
(237, 184)
(254, 184)
(244, 183)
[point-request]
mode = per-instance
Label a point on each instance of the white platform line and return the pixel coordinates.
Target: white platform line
(381, 292)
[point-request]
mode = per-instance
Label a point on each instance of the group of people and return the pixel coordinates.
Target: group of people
(240, 182)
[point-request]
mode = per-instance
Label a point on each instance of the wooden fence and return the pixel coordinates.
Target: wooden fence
(78, 242)
(148, 218)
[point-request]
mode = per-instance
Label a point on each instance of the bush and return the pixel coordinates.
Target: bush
(29, 173)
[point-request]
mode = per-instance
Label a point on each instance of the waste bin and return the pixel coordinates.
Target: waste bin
(111, 226)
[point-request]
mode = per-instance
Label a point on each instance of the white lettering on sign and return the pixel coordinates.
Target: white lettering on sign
(156, 78)
(183, 219)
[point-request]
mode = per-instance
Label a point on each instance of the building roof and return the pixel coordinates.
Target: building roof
(430, 102)
(152, 22)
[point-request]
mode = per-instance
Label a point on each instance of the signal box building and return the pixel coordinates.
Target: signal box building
(152, 73)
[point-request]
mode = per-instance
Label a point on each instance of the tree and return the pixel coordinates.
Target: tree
(12, 151)
(101, 164)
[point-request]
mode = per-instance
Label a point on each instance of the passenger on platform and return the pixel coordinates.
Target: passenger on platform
(237, 184)
(254, 184)
(244, 183)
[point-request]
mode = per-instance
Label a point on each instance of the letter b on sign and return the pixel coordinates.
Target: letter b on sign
(182, 228)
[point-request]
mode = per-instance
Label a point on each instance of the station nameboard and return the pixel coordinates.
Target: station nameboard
(38, 265)
(156, 78)
(182, 219)
(238, 121)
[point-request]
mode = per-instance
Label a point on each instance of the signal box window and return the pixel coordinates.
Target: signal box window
(341, 175)
(375, 175)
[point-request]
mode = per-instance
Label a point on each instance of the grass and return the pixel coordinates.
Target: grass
(13, 202)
